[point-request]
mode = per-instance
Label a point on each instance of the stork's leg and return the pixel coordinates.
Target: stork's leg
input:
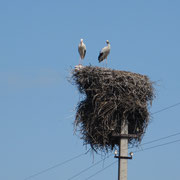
(79, 60)
(106, 62)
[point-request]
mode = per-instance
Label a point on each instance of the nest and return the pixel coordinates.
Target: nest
(110, 97)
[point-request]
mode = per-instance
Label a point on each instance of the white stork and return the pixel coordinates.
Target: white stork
(104, 52)
(82, 50)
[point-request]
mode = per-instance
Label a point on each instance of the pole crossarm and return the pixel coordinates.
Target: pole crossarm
(123, 157)
(115, 135)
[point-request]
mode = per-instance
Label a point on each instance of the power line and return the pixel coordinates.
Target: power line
(132, 147)
(171, 142)
(162, 138)
(60, 164)
(172, 135)
(166, 108)
(101, 170)
(86, 169)
(55, 166)
(164, 144)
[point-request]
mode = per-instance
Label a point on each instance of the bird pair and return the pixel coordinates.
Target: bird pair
(102, 55)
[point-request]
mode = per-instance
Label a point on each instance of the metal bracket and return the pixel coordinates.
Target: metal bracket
(125, 136)
(123, 157)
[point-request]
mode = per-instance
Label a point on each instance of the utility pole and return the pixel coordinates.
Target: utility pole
(123, 150)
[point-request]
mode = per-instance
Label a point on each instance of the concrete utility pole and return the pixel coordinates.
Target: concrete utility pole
(123, 152)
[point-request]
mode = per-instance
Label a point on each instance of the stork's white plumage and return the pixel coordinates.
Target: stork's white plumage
(104, 52)
(81, 50)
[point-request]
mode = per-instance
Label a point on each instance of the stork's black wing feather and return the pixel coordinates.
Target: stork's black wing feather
(84, 52)
(99, 57)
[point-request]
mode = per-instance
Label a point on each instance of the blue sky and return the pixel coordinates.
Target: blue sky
(38, 48)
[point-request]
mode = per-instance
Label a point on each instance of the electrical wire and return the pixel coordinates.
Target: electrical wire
(86, 169)
(159, 145)
(171, 142)
(69, 160)
(101, 170)
(79, 173)
(166, 137)
(55, 166)
(166, 108)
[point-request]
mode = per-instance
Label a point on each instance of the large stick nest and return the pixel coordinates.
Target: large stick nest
(110, 97)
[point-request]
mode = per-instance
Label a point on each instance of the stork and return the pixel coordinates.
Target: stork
(82, 50)
(104, 52)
